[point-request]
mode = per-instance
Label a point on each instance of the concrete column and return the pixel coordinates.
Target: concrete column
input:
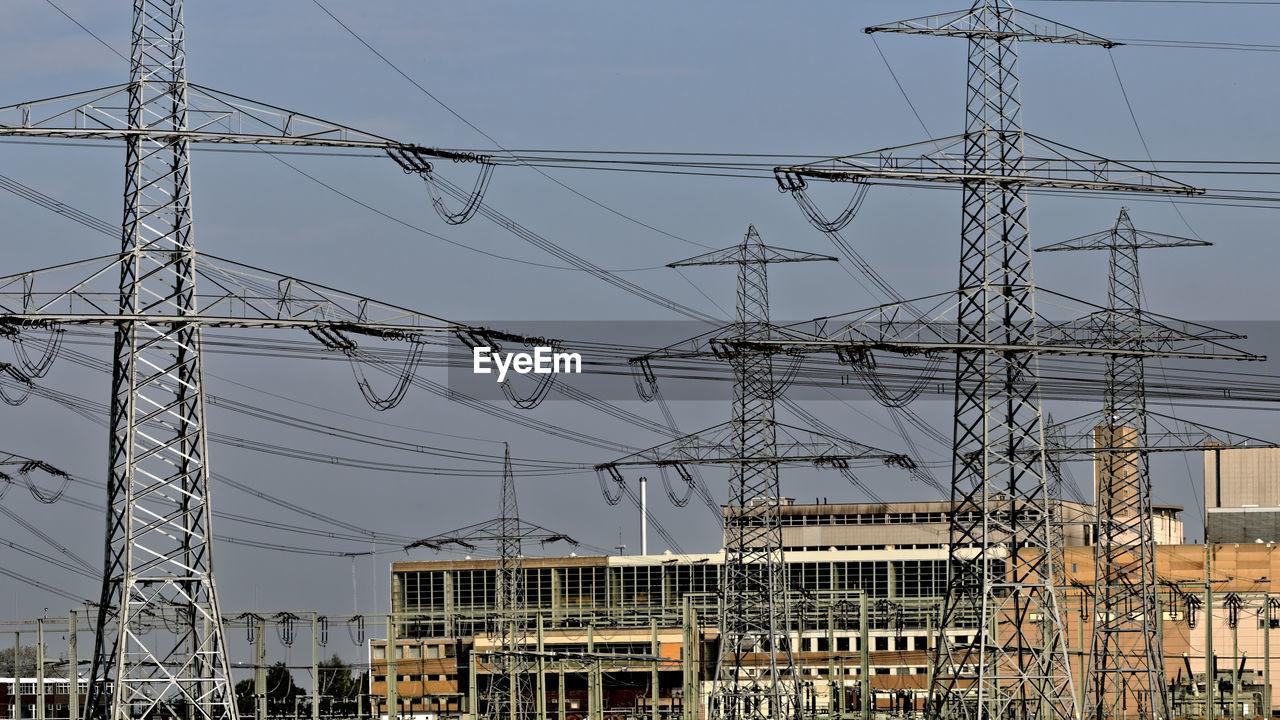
(40, 696)
(393, 689)
(73, 667)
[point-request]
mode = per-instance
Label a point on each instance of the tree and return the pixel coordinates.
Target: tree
(338, 681)
(281, 691)
(26, 662)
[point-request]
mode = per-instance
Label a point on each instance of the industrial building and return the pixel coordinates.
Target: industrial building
(611, 633)
(1242, 495)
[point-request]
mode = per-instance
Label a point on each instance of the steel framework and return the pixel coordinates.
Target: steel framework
(1127, 657)
(755, 669)
(1126, 672)
(1001, 540)
(510, 692)
(160, 647)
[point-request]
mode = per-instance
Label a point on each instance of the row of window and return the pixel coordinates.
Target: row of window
(657, 585)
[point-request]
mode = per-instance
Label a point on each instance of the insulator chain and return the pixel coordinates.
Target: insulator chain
(6, 482)
(47, 355)
(616, 478)
(646, 381)
(322, 631)
(795, 184)
(48, 499)
(412, 160)
(357, 637)
(251, 627)
(286, 629)
(686, 476)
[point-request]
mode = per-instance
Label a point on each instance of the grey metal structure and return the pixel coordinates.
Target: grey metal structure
(755, 670)
(1001, 540)
(1126, 672)
(1127, 668)
(510, 694)
(160, 645)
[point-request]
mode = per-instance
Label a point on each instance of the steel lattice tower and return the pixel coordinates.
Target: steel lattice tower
(753, 609)
(159, 565)
(1127, 657)
(1001, 583)
(755, 675)
(510, 695)
(160, 647)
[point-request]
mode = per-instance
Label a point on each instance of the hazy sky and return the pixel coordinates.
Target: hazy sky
(750, 77)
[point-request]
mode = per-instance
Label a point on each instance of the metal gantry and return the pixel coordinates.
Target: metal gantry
(755, 673)
(160, 644)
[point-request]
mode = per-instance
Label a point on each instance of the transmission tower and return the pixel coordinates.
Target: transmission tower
(1128, 660)
(1001, 585)
(510, 693)
(755, 670)
(160, 644)
(1127, 673)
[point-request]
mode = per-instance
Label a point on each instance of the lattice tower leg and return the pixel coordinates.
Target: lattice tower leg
(160, 646)
(1001, 581)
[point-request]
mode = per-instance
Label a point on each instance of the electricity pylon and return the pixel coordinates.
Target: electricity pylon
(756, 674)
(510, 693)
(160, 645)
(1001, 587)
(1126, 675)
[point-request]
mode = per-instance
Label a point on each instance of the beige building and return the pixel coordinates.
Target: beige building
(1242, 495)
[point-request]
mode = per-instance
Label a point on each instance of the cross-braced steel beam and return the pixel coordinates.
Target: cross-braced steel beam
(755, 677)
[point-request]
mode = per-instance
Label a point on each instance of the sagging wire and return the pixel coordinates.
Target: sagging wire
(780, 385)
(48, 354)
(616, 478)
(412, 161)
(856, 481)
(473, 339)
(25, 472)
(333, 339)
(23, 380)
(686, 476)
(795, 184)
(863, 363)
(646, 381)
(401, 388)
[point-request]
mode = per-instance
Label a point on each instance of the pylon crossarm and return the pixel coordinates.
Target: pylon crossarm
(977, 24)
(928, 325)
(1164, 433)
(1138, 333)
(213, 116)
(490, 531)
(1110, 239)
(229, 294)
(1045, 164)
(793, 446)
